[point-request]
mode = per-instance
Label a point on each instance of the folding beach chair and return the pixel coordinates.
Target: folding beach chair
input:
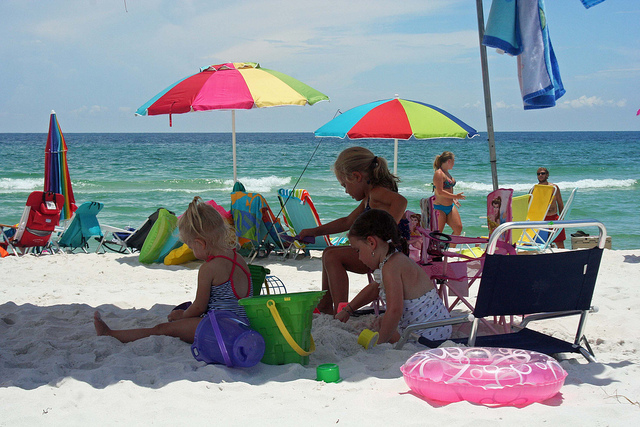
(539, 286)
(544, 237)
(300, 213)
(83, 226)
(499, 205)
(541, 198)
(519, 208)
(128, 239)
(39, 220)
(255, 236)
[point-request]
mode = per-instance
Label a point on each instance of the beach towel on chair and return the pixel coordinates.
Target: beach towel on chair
(246, 209)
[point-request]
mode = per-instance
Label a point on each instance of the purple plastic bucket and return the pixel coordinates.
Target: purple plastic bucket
(241, 346)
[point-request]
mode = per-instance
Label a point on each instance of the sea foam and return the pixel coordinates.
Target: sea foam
(19, 185)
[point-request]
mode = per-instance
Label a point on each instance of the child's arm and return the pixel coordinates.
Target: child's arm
(336, 226)
(366, 295)
(199, 306)
(394, 291)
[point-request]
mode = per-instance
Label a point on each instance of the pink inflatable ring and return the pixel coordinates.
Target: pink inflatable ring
(489, 376)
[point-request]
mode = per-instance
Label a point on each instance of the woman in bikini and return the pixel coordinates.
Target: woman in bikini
(446, 201)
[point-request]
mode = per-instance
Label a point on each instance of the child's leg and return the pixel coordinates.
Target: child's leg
(185, 329)
(336, 261)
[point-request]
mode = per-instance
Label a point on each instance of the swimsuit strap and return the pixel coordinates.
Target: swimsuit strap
(235, 256)
(386, 259)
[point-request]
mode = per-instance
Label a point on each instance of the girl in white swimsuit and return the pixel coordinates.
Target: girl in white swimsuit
(408, 292)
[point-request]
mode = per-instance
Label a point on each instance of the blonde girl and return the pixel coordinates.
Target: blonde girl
(446, 203)
(367, 179)
(407, 290)
(223, 279)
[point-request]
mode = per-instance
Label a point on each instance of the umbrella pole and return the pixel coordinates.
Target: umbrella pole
(395, 157)
(487, 96)
(233, 143)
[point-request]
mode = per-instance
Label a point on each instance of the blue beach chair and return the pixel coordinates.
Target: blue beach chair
(83, 226)
(300, 213)
(257, 228)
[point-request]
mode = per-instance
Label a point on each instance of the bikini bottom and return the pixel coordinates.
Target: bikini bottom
(446, 209)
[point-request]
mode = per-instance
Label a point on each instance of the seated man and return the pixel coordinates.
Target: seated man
(557, 205)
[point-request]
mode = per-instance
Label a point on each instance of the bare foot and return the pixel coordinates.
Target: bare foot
(101, 327)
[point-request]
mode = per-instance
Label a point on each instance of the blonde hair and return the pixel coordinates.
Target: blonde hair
(442, 158)
(360, 159)
(203, 221)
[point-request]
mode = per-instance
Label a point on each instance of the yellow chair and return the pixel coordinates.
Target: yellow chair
(519, 208)
(541, 198)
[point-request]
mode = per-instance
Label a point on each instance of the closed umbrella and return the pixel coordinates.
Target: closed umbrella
(398, 119)
(56, 171)
(231, 86)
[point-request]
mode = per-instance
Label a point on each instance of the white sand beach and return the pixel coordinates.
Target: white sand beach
(54, 370)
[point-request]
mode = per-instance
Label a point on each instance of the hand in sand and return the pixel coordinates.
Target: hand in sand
(343, 316)
(175, 315)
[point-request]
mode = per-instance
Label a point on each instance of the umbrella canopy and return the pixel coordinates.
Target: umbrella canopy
(56, 171)
(231, 86)
(398, 119)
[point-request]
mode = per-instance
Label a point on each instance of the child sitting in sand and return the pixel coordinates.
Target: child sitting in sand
(366, 178)
(407, 290)
(223, 279)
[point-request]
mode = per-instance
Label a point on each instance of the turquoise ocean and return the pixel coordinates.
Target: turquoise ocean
(135, 173)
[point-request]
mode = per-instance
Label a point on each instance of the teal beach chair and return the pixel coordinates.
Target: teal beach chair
(83, 226)
(300, 213)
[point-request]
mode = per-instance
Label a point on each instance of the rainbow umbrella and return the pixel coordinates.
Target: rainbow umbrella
(231, 86)
(56, 171)
(398, 119)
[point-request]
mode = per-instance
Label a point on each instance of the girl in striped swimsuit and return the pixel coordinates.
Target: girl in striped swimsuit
(223, 279)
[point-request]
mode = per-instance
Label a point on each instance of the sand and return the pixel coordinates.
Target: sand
(55, 370)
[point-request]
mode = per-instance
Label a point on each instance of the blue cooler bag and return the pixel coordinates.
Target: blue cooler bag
(224, 338)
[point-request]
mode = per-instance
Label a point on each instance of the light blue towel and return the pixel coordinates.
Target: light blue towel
(519, 28)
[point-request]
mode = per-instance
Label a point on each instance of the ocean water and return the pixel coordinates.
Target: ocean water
(135, 173)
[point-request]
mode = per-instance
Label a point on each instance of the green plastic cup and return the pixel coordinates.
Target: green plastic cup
(328, 372)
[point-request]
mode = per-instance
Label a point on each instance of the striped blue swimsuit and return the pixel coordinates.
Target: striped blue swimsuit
(224, 296)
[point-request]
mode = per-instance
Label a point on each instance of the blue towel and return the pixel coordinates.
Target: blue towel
(518, 27)
(588, 3)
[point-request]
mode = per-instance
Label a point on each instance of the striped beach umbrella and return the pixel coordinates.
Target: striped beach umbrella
(56, 171)
(398, 119)
(231, 86)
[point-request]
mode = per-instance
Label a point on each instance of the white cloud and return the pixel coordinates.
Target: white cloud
(591, 102)
(93, 110)
(501, 105)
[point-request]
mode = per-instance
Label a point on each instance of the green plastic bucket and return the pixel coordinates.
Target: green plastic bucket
(284, 321)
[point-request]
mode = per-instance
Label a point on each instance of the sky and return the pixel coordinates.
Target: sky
(96, 61)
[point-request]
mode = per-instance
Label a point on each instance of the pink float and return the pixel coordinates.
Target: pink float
(488, 376)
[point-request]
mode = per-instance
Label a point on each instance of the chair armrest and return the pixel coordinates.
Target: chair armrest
(552, 315)
(433, 324)
(110, 229)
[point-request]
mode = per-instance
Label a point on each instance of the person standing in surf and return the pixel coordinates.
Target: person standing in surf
(446, 203)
